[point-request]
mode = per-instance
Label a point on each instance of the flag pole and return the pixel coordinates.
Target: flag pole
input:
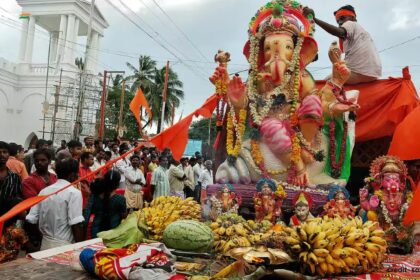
(165, 92)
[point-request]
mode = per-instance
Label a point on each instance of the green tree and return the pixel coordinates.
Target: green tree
(173, 97)
(144, 75)
(199, 130)
(112, 112)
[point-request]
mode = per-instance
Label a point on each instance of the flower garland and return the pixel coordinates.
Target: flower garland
(336, 166)
(259, 161)
(388, 219)
(239, 128)
(221, 91)
(318, 155)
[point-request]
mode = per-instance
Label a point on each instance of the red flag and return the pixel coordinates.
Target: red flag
(135, 106)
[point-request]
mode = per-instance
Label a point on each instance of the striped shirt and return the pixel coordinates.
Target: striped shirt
(10, 190)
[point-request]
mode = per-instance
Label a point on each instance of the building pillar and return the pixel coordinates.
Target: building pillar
(98, 47)
(23, 40)
(54, 46)
(92, 51)
(76, 30)
(61, 39)
(30, 40)
(68, 50)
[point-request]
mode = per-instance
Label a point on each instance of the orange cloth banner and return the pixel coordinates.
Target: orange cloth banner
(413, 212)
(135, 106)
(406, 140)
(384, 104)
(174, 138)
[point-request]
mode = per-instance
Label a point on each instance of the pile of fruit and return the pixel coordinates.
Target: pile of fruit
(165, 210)
(333, 246)
(232, 231)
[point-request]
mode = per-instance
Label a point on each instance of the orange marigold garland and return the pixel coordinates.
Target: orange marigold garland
(294, 122)
(238, 127)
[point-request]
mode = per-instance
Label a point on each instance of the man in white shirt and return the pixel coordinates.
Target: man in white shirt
(361, 55)
(198, 169)
(99, 160)
(134, 180)
(59, 217)
(176, 178)
(114, 150)
(122, 165)
(189, 181)
(206, 179)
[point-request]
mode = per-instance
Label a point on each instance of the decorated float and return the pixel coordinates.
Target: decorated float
(280, 207)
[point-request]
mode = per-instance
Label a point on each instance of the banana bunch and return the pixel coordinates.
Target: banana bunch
(165, 210)
(230, 231)
(333, 246)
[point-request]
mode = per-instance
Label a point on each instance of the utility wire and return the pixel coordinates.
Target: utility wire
(151, 37)
(180, 30)
(159, 35)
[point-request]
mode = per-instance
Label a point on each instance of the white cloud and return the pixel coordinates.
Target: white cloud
(404, 18)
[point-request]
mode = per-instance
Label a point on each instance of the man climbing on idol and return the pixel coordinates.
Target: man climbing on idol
(360, 52)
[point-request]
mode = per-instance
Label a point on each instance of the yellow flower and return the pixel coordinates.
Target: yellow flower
(235, 149)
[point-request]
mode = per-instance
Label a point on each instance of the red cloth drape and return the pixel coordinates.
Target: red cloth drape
(413, 212)
(384, 104)
(174, 138)
(406, 140)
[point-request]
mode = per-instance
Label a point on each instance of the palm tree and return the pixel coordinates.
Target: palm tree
(143, 76)
(173, 98)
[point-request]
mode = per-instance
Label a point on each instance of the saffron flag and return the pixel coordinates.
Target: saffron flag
(135, 106)
(176, 137)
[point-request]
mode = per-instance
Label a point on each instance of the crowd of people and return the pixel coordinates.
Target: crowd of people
(100, 201)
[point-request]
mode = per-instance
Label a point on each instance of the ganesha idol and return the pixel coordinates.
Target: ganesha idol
(385, 199)
(297, 133)
(224, 201)
(268, 201)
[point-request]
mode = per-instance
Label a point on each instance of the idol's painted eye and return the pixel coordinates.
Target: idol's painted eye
(289, 47)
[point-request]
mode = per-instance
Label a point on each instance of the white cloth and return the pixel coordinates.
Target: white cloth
(206, 178)
(133, 175)
(49, 243)
(361, 54)
(97, 164)
(198, 169)
(56, 214)
(121, 166)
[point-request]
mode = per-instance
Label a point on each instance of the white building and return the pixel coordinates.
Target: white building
(23, 84)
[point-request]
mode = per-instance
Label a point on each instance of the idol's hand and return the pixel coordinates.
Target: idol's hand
(237, 93)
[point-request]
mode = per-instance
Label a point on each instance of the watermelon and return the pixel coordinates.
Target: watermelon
(188, 235)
